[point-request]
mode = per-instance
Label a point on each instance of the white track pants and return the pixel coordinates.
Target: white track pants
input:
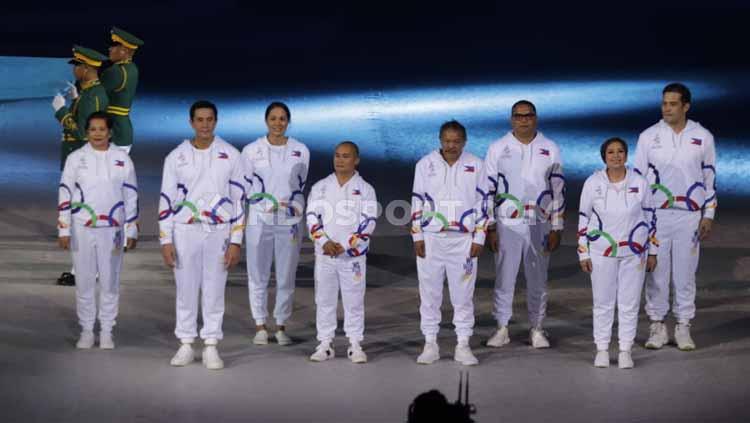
(97, 251)
(201, 279)
(679, 251)
(265, 244)
(616, 281)
(349, 275)
(447, 256)
(517, 243)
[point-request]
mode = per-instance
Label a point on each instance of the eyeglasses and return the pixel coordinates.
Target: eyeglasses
(523, 116)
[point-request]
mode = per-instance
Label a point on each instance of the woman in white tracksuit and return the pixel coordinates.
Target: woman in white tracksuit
(275, 176)
(340, 220)
(98, 206)
(616, 245)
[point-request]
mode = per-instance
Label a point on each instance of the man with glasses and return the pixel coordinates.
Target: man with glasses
(524, 176)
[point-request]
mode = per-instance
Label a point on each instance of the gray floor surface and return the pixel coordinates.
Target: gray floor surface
(43, 378)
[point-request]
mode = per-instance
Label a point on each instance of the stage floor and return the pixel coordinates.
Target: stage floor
(44, 378)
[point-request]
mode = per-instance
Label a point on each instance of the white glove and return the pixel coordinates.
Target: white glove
(73, 91)
(58, 102)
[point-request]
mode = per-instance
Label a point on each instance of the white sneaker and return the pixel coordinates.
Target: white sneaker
(538, 338)
(261, 337)
(602, 359)
(86, 340)
(323, 352)
(282, 338)
(105, 341)
(658, 336)
(184, 356)
(463, 355)
(682, 337)
(211, 358)
(625, 360)
(500, 338)
(356, 355)
(430, 354)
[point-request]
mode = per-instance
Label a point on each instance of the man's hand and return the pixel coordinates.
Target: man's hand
(492, 241)
(232, 256)
(131, 243)
(586, 265)
(476, 250)
(332, 249)
(72, 91)
(419, 249)
(64, 242)
(58, 102)
(169, 255)
(704, 230)
(553, 241)
(650, 264)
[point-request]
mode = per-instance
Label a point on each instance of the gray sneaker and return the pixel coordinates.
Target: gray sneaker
(682, 337)
(658, 336)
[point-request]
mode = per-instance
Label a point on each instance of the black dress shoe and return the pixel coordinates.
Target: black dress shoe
(66, 279)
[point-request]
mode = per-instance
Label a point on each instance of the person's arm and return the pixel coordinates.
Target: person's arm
(65, 200)
(649, 216)
(167, 199)
(316, 207)
(130, 195)
(238, 196)
(640, 163)
(585, 210)
(490, 187)
(359, 240)
(709, 177)
(557, 185)
(482, 213)
(113, 78)
(417, 205)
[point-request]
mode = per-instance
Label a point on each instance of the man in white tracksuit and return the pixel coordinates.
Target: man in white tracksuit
(524, 176)
(449, 219)
(276, 167)
(678, 158)
(341, 214)
(98, 207)
(201, 212)
(616, 245)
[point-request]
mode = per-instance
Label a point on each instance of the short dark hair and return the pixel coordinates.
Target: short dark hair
(681, 89)
(349, 143)
(523, 103)
(203, 104)
(280, 105)
(609, 141)
(453, 125)
(99, 115)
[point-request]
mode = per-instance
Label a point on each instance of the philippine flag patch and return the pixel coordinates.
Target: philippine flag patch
(544, 152)
(223, 155)
(296, 153)
(356, 192)
(633, 190)
(119, 163)
(468, 168)
(697, 141)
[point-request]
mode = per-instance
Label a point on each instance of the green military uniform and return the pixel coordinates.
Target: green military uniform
(91, 98)
(121, 80)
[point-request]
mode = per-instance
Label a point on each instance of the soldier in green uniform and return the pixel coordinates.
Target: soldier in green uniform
(92, 98)
(121, 81)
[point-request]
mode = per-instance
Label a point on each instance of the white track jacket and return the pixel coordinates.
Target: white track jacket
(342, 214)
(98, 189)
(681, 168)
(202, 187)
